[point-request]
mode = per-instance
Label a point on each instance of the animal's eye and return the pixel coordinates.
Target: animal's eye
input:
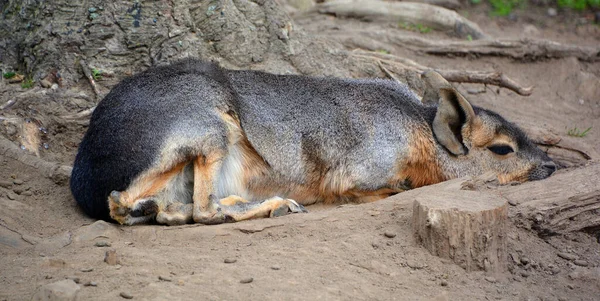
(501, 149)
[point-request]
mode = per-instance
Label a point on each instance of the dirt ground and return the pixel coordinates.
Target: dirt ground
(331, 253)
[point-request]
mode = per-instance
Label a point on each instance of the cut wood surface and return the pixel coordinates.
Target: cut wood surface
(417, 13)
(566, 202)
(467, 227)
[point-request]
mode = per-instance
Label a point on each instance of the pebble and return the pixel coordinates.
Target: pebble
(18, 182)
(389, 234)
(525, 260)
(86, 270)
(11, 196)
(375, 245)
(513, 202)
(126, 295)
(490, 279)
(111, 257)
(62, 290)
(102, 244)
(444, 283)
(570, 286)
(74, 278)
(90, 283)
(230, 260)
(567, 256)
(552, 12)
(525, 274)
(247, 280)
(27, 193)
(276, 268)
(165, 278)
(45, 83)
(581, 263)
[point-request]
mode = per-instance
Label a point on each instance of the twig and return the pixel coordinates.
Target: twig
(387, 72)
(83, 114)
(88, 74)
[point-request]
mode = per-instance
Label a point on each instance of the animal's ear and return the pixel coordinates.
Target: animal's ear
(454, 112)
(433, 83)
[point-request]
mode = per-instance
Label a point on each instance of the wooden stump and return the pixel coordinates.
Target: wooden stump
(467, 227)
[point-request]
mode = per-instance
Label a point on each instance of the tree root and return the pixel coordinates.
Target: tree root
(88, 75)
(479, 77)
(56, 172)
(417, 13)
(524, 49)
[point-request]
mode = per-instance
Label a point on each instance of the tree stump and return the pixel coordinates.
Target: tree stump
(467, 227)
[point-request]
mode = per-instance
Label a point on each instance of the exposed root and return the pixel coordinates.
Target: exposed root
(57, 172)
(479, 77)
(417, 13)
(80, 115)
(88, 75)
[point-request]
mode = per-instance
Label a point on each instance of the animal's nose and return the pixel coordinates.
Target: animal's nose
(549, 166)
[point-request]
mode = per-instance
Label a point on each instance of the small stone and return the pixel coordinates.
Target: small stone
(45, 83)
(570, 286)
(86, 270)
(27, 193)
(567, 256)
(515, 258)
(49, 277)
(490, 279)
(513, 202)
(389, 234)
(62, 290)
(554, 270)
(247, 280)
(111, 258)
(444, 283)
(230, 260)
(375, 245)
(90, 283)
(276, 268)
(54, 87)
(552, 12)
(11, 196)
(18, 182)
(126, 295)
(165, 278)
(525, 260)
(581, 263)
(562, 299)
(531, 31)
(74, 278)
(102, 244)
(525, 274)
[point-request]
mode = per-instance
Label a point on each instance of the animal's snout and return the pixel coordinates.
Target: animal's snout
(549, 166)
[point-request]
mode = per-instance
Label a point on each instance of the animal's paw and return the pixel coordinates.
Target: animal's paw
(287, 206)
(127, 213)
(214, 215)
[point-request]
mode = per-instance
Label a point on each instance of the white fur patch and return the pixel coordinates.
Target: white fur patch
(230, 180)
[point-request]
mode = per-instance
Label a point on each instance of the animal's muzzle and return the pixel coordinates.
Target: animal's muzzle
(542, 171)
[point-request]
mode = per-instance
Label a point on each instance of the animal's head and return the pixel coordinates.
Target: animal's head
(478, 140)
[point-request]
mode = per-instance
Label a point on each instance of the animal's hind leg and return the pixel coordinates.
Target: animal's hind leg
(138, 204)
(205, 207)
(239, 209)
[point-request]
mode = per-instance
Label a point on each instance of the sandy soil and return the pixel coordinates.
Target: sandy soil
(332, 253)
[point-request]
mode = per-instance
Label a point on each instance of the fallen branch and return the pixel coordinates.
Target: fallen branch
(79, 115)
(479, 77)
(417, 13)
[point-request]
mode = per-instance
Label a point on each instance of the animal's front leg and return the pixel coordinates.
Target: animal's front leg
(239, 209)
(206, 209)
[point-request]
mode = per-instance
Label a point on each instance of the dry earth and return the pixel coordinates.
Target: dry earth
(358, 252)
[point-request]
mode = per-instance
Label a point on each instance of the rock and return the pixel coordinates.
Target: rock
(276, 268)
(11, 196)
(126, 295)
(45, 83)
(102, 244)
(525, 260)
(581, 263)
(111, 258)
(27, 193)
(63, 290)
(531, 31)
(18, 182)
(230, 260)
(90, 283)
(490, 279)
(165, 278)
(5, 184)
(525, 274)
(567, 256)
(389, 234)
(513, 202)
(87, 270)
(552, 12)
(247, 280)
(74, 278)
(54, 87)
(444, 283)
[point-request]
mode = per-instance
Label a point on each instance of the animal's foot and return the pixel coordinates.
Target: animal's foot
(129, 213)
(212, 215)
(287, 206)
